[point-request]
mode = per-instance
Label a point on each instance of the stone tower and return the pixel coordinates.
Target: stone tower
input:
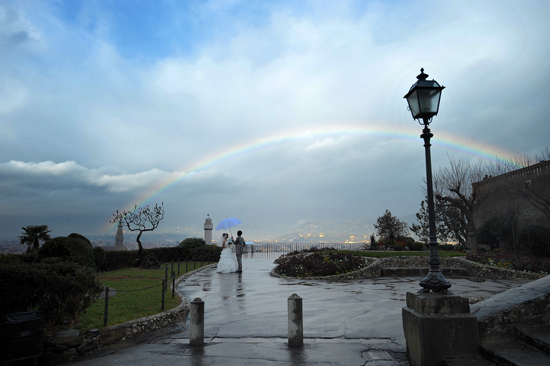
(208, 226)
(119, 238)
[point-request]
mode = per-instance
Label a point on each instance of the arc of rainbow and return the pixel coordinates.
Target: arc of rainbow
(445, 140)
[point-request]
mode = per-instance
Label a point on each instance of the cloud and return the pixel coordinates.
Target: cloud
(72, 175)
(105, 104)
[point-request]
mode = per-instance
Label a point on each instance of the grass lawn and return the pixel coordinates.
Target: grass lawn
(139, 294)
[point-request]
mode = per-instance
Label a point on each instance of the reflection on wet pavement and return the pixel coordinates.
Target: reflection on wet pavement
(253, 304)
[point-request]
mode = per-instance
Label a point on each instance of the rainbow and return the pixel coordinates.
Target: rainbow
(447, 141)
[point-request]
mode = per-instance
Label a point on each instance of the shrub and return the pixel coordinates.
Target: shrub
(537, 239)
(99, 257)
(448, 247)
(81, 237)
(490, 232)
(416, 246)
(70, 249)
(190, 247)
(9, 258)
(373, 243)
(399, 246)
(319, 264)
(62, 290)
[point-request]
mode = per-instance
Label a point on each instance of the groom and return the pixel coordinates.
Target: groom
(239, 249)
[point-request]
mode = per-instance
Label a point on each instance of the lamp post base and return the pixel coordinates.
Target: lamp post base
(438, 326)
(435, 282)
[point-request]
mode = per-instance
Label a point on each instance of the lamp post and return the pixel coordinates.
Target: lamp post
(423, 99)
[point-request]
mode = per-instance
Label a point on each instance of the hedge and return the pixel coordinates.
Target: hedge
(126, 258)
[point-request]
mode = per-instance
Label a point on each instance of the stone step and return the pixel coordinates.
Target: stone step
(536, 336)
(421, 271)
(467, 361)
(514, 353)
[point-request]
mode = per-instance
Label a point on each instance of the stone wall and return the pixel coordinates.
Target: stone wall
(374, 269)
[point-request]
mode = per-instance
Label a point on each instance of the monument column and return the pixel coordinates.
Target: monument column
(208, 226)
(119, 238)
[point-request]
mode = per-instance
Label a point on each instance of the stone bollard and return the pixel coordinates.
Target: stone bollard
(196, 330)
(295, 321)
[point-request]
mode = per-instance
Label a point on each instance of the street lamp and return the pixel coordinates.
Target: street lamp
(423, 99)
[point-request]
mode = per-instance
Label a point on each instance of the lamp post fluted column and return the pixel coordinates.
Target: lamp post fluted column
(434, 281)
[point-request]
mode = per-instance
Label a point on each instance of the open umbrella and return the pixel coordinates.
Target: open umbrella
(228, 223)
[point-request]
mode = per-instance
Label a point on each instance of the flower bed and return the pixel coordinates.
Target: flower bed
(509, 260)
(319, 264)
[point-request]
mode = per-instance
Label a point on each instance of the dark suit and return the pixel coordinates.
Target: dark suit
(240, 244)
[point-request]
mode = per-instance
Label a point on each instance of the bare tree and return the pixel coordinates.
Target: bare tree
(141, 219)
(453, 188)
(544, 156)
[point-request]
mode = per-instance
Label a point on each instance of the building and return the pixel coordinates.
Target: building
(515, 194)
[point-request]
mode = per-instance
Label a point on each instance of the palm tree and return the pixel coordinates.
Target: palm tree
(33, 234)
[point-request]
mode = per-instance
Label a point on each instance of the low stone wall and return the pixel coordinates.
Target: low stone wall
(70, 343)
(374, 269)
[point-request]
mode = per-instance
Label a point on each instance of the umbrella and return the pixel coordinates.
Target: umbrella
(228, 223)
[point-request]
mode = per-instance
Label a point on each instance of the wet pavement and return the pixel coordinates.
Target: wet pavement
(353, 322)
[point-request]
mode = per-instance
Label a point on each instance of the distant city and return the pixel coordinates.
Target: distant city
(347, 232)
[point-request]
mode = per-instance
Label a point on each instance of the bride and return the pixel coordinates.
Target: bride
(228, 261)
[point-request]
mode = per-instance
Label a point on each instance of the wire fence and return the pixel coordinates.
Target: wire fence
(164, 284)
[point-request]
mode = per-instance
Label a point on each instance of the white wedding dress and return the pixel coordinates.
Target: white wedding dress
(228, 262)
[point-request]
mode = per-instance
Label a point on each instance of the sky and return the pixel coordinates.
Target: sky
(273, 112)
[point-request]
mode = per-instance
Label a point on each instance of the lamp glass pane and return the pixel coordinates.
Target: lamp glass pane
(412, 99)
(428, 100)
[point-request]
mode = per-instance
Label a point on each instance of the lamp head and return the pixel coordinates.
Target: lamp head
(424, 97)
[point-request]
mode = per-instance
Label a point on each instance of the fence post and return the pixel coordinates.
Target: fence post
(178, 266)
(166, 277)
(106, 306)
(173, 283)
(163, 288)
(295, 321)
(196, 330)
(186, 264)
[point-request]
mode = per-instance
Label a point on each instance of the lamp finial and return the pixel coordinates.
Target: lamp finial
(422, 76)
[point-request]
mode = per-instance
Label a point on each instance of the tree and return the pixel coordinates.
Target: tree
(33, 235)
(453, 189)
(449, 223)
(141, 219)
(390, 227)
